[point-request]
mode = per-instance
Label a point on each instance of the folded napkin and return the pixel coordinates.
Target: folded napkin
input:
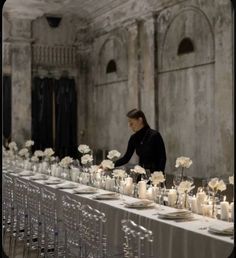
(106, 196)
(175, 213)
(39, 177)
(222, 228)
(26, 173)
(140, 203)
(66, 185)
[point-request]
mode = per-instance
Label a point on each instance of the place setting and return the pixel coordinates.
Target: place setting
(107, 196)
(26, 173)
(39, 177)
(66, 185)
(53, 181)
(140, 204)
(223, 230)
(177, 215)
(87, 190)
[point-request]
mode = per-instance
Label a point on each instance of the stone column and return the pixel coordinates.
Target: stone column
(133, 87)
(83, 92)
(147, 62)
(21, 79)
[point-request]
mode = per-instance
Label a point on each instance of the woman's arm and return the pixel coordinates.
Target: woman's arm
(129, 152)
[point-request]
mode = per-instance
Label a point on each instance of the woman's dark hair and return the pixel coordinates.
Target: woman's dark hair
(136, 114)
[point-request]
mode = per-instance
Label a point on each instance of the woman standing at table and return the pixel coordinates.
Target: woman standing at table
(147, 143)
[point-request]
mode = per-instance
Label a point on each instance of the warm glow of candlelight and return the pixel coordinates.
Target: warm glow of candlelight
(224, 198)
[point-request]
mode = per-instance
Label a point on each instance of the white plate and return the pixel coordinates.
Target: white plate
(85, 191)
(183, 214)
(66, 186)
(53, 182)
(142, 204)
(108, 196)
(25, 173)
(39, 177)
(223, 233)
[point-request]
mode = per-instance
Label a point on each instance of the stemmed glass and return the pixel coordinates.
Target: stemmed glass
(176, 181)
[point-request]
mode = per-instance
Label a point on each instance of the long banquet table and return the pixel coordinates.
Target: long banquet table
(171, 239)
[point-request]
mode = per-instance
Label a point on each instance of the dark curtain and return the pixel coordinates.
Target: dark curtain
(66, 117)
(6, 91)
(42, 113)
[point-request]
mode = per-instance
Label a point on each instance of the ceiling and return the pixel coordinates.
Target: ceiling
(85, 9)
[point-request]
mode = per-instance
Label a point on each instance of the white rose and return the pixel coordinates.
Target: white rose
(29, 143)
(119, 173)
(35, 159)
(48, 152)
(113, 154)
(231, 180)
(66, 162)
(183, 162)
(138, 169)
(85, 159)
(215, 184)
(24, 153)
(158, 177)
(39, 153)
(221, 186)
(12, 146)
(185, 186)
(106, 163)
(83, 148)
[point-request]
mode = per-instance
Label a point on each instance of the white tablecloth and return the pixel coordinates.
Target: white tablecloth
(171, 239)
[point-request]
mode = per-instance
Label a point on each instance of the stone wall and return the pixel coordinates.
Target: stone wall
(188, 97)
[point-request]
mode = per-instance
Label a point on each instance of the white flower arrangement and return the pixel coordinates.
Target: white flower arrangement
(12, 146)
(38, 153)
(48, 152)
(113, 155)
(83, 148)
(138, 170)
(183, 162)
(29, 143)
(217, 185)
(231, 180)
(185, 187)
(107, 164)
(119, 173)
(86, 159)
(157, 177)
(35, 158)
(24, 153)
(66, 162)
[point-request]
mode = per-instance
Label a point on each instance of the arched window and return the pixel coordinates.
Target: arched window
(111, 67)
(185, 46)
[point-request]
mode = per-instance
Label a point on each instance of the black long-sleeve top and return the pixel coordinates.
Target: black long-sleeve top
(150, 148)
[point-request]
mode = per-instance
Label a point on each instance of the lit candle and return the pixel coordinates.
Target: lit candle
(194, 204)
(128, 186)
(108, 183)
(172, 197)
(142, 189)
(201, 196)
(224, 207)
(149, 193)
(207, 210)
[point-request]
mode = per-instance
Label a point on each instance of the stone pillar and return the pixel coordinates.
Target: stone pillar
(147, 70)
(21, 79)
(83, 92)
(133, 87)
